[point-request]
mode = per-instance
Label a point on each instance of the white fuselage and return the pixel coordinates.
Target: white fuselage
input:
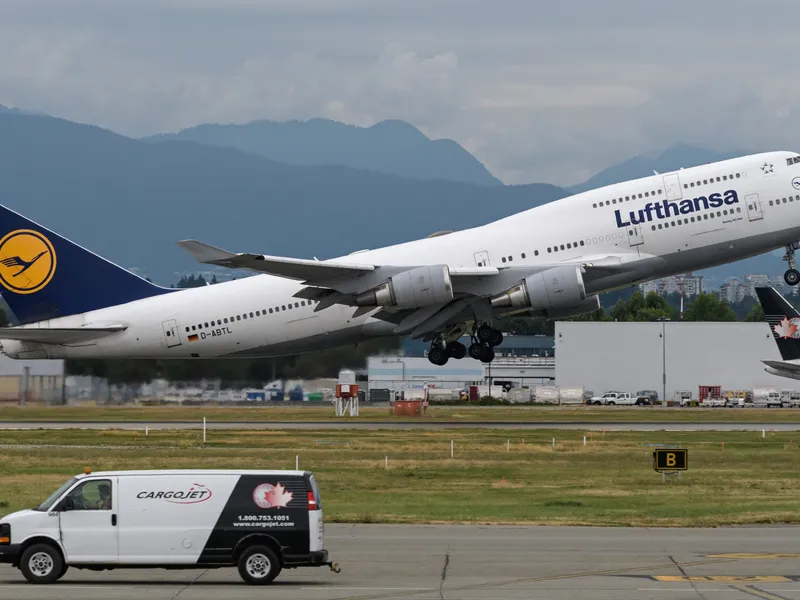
(258, 316)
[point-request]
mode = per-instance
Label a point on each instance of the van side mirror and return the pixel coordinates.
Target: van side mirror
(66, 505)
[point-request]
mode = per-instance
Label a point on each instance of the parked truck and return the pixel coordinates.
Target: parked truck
(621, 399)
(766, 397)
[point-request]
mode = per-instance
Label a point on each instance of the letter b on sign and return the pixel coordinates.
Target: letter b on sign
(671, 460)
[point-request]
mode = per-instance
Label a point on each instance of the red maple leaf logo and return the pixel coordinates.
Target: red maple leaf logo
(278, 497)
(785, 329)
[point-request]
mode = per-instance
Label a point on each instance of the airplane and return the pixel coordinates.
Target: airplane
(784, 322)
(550, 261)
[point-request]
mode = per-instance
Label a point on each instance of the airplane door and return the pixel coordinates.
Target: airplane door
(482, 259)
(672, 187)
(171, 334)
(753, 207)
(635, 235)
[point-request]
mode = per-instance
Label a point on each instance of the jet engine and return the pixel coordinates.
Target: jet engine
(420, 286)
(558, 287)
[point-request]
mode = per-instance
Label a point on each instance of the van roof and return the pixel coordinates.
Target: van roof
(173, 472)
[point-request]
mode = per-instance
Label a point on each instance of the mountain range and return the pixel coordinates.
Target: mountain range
(393, 147)
(313, 188)
(131, 200)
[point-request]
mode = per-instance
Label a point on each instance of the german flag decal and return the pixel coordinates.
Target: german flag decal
(193, 337)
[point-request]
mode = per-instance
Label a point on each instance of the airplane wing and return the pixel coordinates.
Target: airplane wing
(783, 366)
(317, 273)
(341, 282)
(301, 269)
(58, 335)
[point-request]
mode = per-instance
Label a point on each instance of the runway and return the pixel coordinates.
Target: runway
(484, 563)
(587, 426)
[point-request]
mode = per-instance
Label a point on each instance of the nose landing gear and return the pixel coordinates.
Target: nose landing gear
(792, 275)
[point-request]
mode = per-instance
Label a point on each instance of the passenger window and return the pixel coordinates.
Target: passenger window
(627, 198)
(187, 329)
(640, 196)
(270, 311)
(503, 259)
(283, 307)
(244, 316)
(659, 226)
(562, 246)
(647, 194)
(653, 227)
(738, 175)
(581, 242)
(225, 320)
(594, 205)
(251, 315)
(549, 250)
(569, 246)
(206, 324)
(692, 184)
(194, 328)
(90, 495)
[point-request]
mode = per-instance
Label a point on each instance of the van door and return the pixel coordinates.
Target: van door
(88, 522)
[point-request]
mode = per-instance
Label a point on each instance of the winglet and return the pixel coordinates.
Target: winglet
(205, 253)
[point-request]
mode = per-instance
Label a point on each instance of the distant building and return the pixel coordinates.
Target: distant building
(690, 285)
(754, 280)
(732, 291)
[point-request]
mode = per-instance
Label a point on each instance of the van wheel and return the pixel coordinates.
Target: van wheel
(258, 565)
(42, 563)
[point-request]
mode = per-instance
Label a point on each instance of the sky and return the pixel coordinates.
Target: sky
(539, 92)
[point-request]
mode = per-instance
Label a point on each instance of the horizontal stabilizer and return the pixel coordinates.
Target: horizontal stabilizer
(54, 335)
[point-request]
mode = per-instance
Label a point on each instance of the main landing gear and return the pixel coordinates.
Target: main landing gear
(792, 275)
(484, 339)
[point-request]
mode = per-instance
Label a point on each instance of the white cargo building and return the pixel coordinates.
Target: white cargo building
(665, 356)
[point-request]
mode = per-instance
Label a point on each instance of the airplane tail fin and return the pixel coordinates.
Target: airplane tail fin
(44, 275)
(784, 321)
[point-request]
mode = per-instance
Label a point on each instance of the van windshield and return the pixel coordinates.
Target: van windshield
(47, 504)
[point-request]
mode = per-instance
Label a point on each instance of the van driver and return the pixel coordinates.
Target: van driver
(105, 497)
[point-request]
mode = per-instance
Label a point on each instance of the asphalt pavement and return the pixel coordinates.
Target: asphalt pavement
(438, 562)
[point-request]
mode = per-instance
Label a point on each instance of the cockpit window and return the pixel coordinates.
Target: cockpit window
(793, 160)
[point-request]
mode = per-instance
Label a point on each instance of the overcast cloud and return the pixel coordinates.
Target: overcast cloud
(538, 92)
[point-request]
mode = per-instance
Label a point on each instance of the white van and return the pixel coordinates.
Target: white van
(258, 521)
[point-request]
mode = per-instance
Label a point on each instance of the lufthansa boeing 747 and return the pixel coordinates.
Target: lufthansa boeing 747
(551, 261)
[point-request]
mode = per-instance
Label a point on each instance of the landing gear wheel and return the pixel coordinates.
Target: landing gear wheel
(475, 351)
(437, 356)
(41, 563)
(496, 339)
(487, 354)
(485, 333)
(258, 565)
(792, 277)
(456, 350)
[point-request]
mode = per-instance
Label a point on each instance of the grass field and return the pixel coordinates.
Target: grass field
(733, 477)
(466, 414)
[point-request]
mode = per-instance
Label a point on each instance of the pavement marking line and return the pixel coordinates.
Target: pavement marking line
(753, 555)
(748, 589)
(461, 588)
(722, 578)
